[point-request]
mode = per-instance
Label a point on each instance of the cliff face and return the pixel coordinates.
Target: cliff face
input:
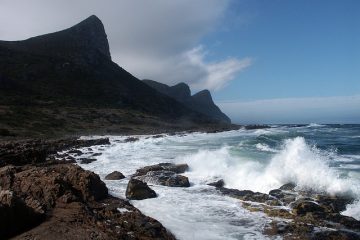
(201, 102)
(82, 43)
(73, 68)
(66, 83)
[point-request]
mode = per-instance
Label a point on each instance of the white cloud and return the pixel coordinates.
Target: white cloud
(340, 109)
(216, 74)
(155, 39)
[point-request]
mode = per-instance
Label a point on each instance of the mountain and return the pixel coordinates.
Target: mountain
(66, 82)
(201, 102)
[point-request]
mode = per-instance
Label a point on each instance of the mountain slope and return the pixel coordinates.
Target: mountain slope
(72, 68)
(201, 102)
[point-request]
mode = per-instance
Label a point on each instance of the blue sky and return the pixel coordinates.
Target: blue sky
(299, 48)
(265, 61)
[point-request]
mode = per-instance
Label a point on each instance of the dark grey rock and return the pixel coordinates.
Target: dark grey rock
(114, 176)
(165, 178)
(176, 168)
(138, 190)
(219, 184)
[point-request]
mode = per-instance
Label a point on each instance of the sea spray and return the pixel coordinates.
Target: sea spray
(333, 166)
(297, 162)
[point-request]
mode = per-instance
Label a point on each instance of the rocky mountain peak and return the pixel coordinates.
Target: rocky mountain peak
(93, 35)
(203, 97)
(85, 42)
(201, 102)
(181, 91)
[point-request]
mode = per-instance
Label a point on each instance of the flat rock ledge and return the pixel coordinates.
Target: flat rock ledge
(300, 214)
(54, 199)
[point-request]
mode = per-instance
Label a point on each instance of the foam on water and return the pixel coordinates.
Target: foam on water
(223, 156)
(297, 162)
(265, 147)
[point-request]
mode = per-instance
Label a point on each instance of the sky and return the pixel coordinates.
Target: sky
(277, 61)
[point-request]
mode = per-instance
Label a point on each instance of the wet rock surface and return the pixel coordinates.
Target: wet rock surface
(300, 214)
(36, 151)
(218, 184)
(165, 178)
(87, 160)
(54, 199)
(114, 176)
(176, 168)
(166, 174)
(138, 190)
(131, 139)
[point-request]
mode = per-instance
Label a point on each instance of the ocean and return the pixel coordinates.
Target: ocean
(319, 158)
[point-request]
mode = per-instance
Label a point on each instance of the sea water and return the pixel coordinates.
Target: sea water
(322, 158)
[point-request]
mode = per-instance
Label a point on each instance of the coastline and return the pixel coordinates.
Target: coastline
(44, 198)
(38, 160)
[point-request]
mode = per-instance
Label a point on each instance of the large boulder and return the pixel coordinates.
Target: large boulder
(43, 186)
(176, 168)
(114, 176)
(138, 190)
(165, 178)
(62, 201)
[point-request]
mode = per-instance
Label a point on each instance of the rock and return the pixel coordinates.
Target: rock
(138, 190)
(96, 154)
(6, 133)
(302, 207)
(276, 228)
(165, 178)
(254, 127)
(335, 203)
(62, 201)
(15, 215)
(246, 195)
(36, 151)
(176, 168)
(76, 151)
(218, 184)
(288, 187)
(346, 221)
(158, 136)
(87, 160)
(284, 196)
(131, 139)
(335, 235)
(114, 176)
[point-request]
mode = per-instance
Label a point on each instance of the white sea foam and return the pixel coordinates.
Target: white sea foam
(264, 147)
(316, 125)
(297, 162)
(353, 210)
(198, 207)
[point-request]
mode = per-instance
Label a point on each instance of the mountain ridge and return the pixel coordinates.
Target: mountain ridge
(72, 68)
(201, 102)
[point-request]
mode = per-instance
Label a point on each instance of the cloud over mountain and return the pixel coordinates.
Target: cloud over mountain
(157, 39)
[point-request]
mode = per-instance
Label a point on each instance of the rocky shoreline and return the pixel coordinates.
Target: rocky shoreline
(43, 195)
(298, 214)
(45, 198)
